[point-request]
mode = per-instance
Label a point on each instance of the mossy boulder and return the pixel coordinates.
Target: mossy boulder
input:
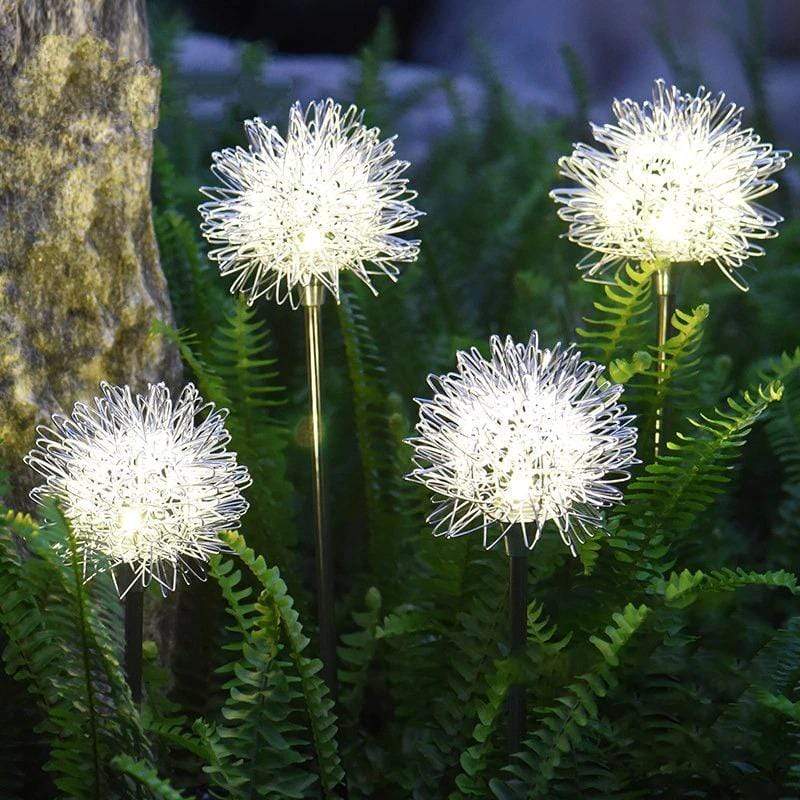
(80, 279)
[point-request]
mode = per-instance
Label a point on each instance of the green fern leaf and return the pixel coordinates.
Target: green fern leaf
(145, 776)
(368, 381)
(198, 296)
(257, 745)
(60, 648)
(561, 727)
(662, 505)
(620, 326)
(673, 388)
(319, 707)
(682, 589)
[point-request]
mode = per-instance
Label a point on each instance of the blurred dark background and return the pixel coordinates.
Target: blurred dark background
(308, 26)
(620, 44)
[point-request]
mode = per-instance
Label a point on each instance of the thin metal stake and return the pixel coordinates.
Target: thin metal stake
(312, 298)
(518, 631)
(666, 308)
(134, 620)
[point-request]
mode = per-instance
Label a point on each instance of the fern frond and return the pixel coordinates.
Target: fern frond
(257, 746)
(198, 296)
(542, 654)
(561, 727)
(784, 421)
(783, 431)
(211, 386)
(318, 704)
(144, 775)
(687, 477)
(663, 504)
(673, 388)
(475, 760)
(241, 359)
(441, 645)
(368, 381)
(61, 649)
(241, 356)
(780, 703)
(622, 319)
(682, 589)
(357, 652)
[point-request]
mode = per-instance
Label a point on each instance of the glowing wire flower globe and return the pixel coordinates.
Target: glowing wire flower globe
(326, 199)
(144, 481)
(529, 436)
(678, 181)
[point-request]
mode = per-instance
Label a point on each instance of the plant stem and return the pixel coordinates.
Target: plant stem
(518, 612)
(312, 298)
(134, 619)
(665, 292)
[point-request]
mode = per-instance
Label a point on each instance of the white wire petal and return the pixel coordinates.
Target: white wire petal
(327, 198)
(678, 181)
(528, 436)
(144, 481)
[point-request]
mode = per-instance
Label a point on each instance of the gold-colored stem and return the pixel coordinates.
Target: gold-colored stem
(312, 298)
(662, 282)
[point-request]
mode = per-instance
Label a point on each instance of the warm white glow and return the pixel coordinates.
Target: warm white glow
(678, 181)
(527, 436)
(327, 198)
(144, 481)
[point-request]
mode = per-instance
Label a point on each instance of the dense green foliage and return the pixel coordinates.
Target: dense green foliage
(663, 662)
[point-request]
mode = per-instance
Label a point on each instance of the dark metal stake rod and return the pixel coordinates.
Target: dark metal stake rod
(312, 299)
(134, 618)
(666, 308)
(518, 633)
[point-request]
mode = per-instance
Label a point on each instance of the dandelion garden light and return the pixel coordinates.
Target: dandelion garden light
(527, 437)
(143, 482)
(147, 485)
(679, 180)
(512, 443)
(291, 215)
(326, 199)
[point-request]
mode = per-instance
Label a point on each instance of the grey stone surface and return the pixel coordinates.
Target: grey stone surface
(80, 280)
(121, 23)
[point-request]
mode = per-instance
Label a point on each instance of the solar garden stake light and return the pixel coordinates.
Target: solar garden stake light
(291, 215)
(508, 444)
(678, 179)
(146, 484)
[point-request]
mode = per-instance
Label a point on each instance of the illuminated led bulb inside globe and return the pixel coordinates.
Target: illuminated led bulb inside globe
(527, 437)
(327, 198)
(678, 180)
(144, 481)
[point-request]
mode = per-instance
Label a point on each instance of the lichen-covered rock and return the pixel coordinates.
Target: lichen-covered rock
(121, 23)
(80, 280)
